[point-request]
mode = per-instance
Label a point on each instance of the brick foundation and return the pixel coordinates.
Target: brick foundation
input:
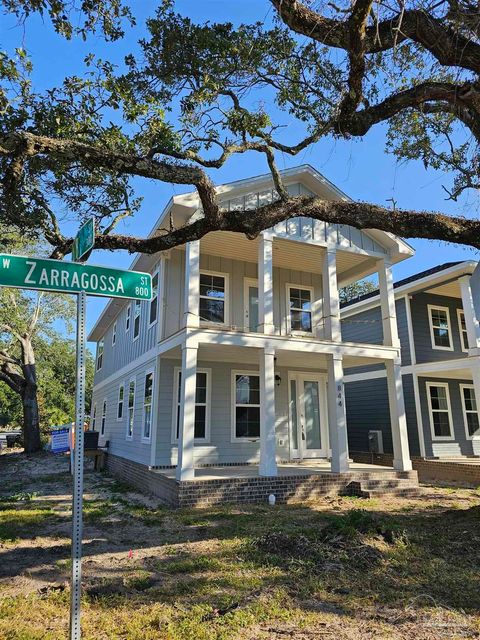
(428, 470)
(287, 489)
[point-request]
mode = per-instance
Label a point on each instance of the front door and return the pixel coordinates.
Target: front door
(308, 416)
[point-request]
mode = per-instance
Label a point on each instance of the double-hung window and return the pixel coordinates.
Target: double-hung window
(128, 318)
(131, 409)
(100, 348)
(246, 405)
(136, 318)
(440, 327)
(202, 405)
(153, 312)
(462, 328)
(440, 412)
(299, 301)
(213, 297)
(147, 405)
(470, 411)
(121, 393)
(104, 417)
(114, 334)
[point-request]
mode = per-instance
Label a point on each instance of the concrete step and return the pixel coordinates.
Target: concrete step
(382, 489)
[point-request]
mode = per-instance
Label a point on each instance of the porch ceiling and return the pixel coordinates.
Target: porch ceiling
(449, 289)
(449, 374)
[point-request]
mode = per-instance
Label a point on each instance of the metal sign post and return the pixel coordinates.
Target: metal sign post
(76, 583)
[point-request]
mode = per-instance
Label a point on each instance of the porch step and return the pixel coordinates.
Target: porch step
(402, 488)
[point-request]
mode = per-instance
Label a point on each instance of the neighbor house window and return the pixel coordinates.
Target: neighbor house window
(213, 298)
(136, 318)
(128, 317)
(100, 347)
(202, 401)
(114, 334)
(94, 417)
(470, 412)
(121, 393)
(104, 417)
(462, 327)
(440, 412)
(147, 405)
(300, 308)
(154, 300)
(131, 409)
(246, 405)
(440, 327)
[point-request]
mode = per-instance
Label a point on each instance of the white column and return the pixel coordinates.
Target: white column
(337, 419)
(331, 304)
(265, 285)
(387, 301)
(268, 464)
(192, 284)
(471, 320)
(185, 466)
(398, 418)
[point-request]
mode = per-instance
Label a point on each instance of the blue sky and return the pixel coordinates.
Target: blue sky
(359, 167)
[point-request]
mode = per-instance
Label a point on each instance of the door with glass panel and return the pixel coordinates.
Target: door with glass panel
(308, 416)
(250, 297)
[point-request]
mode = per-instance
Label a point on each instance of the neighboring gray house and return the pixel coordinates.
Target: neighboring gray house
(239, 357)
(440, 347)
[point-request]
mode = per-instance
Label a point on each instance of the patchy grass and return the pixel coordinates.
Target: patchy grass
(342, 568)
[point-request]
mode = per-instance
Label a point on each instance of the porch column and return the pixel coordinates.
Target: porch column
(192, 284)
(387, 300)
(471, 320)
(331, 304)
(268, 463)
(185, 466)
(398, 419)
(265, 285)
(337, 419)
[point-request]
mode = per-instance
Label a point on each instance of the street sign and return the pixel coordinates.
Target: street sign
(84, 240)
(71, 277)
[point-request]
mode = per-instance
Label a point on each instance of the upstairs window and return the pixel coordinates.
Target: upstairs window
(213, 298)
(470, 411)
(131, 409)
(300, 308)
(202, 399)
(114, 334)
(246, 409)
(104, 417)
(440, 411)
(121, 393)
(128, 318)
(147, 405)
(136, 318)
(462, 328)
(154, 300)
(440, 331)
(100, 347)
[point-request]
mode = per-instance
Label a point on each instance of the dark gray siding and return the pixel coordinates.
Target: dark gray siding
(421, 327)
(367, 408)
(460, 445)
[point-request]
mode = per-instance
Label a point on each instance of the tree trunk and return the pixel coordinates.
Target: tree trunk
(31, 421)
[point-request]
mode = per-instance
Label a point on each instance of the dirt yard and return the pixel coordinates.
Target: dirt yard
(342, 568)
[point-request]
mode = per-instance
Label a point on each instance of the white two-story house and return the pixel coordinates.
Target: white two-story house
(239, 358)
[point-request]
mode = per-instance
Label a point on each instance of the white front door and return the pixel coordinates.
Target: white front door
(308, 415)
(250, 297)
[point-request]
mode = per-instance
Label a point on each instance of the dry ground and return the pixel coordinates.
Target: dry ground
(342, 568)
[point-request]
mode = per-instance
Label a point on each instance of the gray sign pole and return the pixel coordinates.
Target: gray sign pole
(76, 583)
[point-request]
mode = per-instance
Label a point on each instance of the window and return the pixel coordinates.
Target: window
(147, 405)
(246, 405)
(136, 318)
(154, 300)
(202, 405)
(127, 319)
(114, 334)
(131, 409)
(94, 417)
(462, 327)
(213, 298)
(100, 347)
(299, 308)
(121, 393)
(104, 417)
(470, 412)
(440, 412)
(440, 327)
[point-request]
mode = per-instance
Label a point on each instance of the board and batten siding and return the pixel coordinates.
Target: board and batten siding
(367, 408)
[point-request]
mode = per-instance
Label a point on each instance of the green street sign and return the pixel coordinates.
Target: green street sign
(84, 240)
(71, 277)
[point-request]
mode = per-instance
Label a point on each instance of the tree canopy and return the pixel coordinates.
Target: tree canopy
(197, 94)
